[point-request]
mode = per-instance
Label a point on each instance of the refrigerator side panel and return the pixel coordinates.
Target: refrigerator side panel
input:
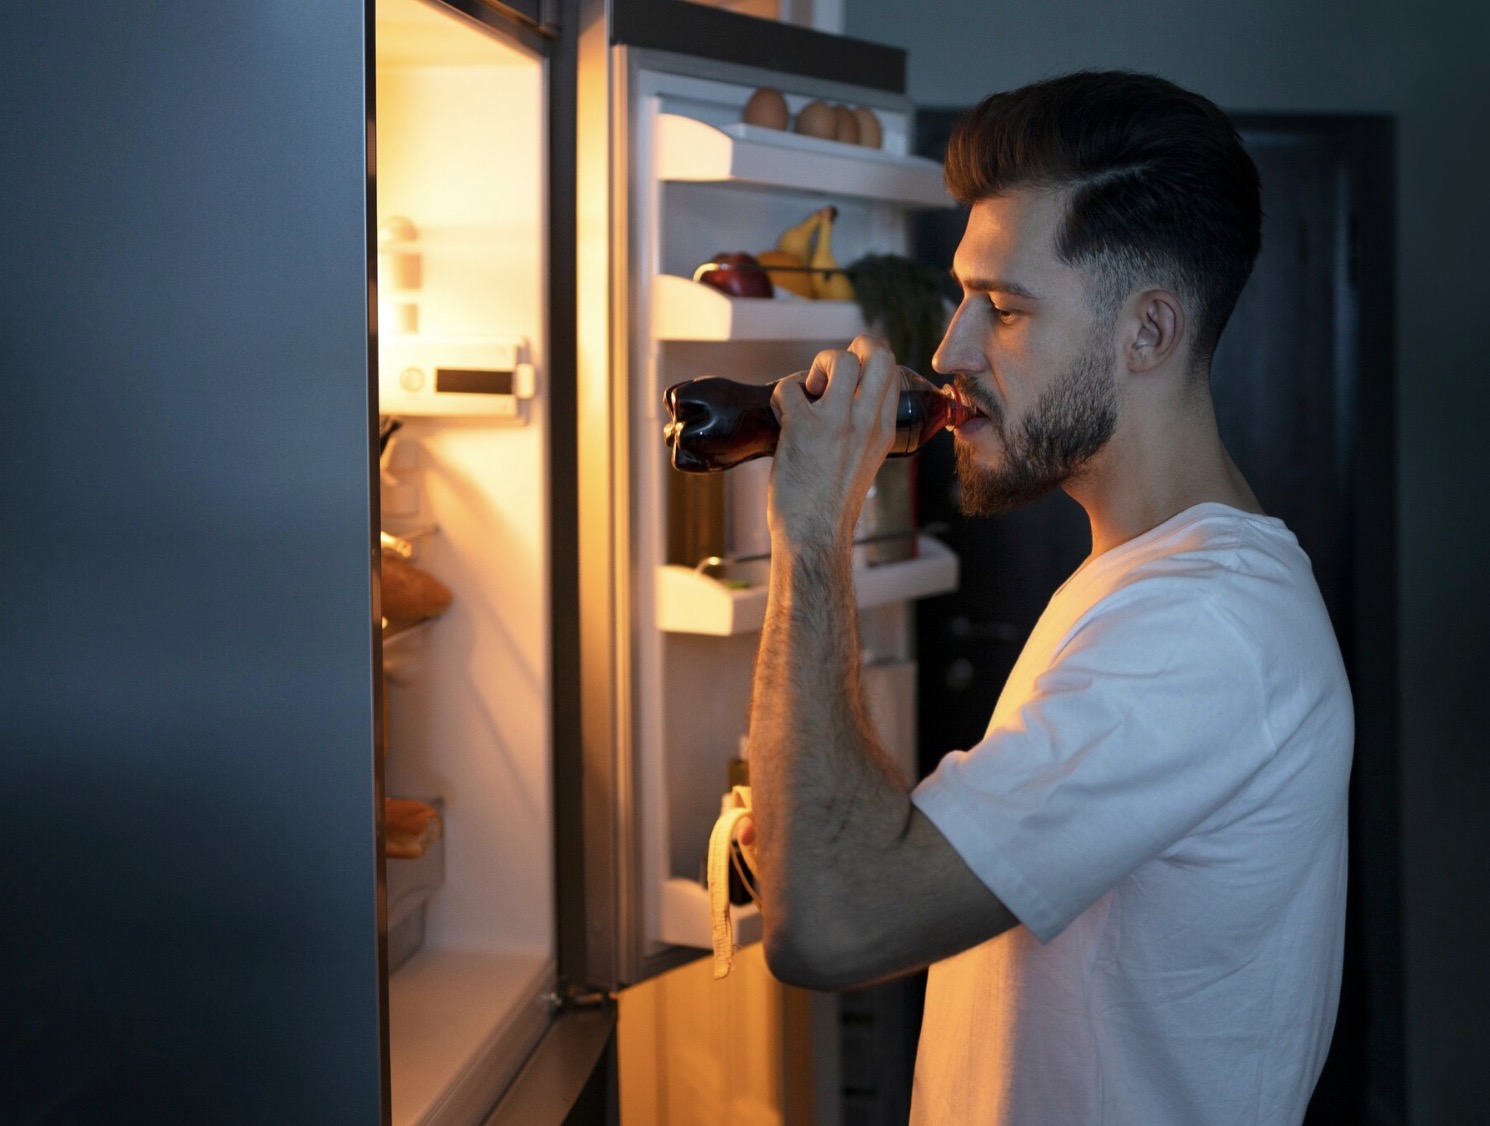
(185, 456)
(602, 471)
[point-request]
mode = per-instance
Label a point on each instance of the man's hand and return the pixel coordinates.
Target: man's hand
(837, 424)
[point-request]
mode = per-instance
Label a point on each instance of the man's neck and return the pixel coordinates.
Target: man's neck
(1148, 474)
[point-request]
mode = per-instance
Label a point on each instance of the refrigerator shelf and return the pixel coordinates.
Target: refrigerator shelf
(685, 916)
(460, 1022)
(683, 309)
(404, 651)
(689, 602)
(411, 883)
(691, 150)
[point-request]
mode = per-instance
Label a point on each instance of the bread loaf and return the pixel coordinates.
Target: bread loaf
(409, 594)
(409, 828)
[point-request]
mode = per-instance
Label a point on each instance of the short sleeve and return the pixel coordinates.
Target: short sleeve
(1150, 717)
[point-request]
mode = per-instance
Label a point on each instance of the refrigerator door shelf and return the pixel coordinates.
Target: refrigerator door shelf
(685, 916)
(690, 602)
(691, 150)
(688, 310)
(404, 652)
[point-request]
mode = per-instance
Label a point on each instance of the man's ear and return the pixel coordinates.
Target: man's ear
(1155, 329)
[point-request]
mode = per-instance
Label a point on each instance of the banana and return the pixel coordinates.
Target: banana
(786, 271)
(810, 243)
(797, 241)
(833, 285)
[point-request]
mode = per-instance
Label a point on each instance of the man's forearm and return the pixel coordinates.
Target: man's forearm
(828, 800)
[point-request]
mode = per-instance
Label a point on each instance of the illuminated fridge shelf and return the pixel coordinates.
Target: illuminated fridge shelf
(688, 310)
(459, 1023)
(690, 602)
(690, 150)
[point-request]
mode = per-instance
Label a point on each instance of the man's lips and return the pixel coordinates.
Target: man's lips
(978, 434)
(975, 396)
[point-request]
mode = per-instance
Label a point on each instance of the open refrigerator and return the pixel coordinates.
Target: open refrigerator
(480, 220)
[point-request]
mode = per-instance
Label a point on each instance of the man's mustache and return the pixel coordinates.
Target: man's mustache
(979, 396)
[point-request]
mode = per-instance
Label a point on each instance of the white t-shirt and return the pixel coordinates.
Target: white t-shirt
(1161, 800)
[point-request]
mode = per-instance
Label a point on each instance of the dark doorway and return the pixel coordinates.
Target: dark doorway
(1303, 386)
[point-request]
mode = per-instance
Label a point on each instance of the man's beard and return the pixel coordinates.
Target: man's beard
(1070, 423)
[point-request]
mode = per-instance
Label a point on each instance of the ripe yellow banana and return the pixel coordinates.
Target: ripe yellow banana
(797, 241)
(833, 285)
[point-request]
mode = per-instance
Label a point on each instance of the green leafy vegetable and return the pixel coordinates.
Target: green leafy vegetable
(903, 298)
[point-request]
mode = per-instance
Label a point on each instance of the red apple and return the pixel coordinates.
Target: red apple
(737, 274)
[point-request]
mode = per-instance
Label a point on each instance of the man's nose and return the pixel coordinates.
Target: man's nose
(956, 351)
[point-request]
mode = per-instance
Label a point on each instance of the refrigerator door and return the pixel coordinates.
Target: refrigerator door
(670, 176)
(192, 711)
(192, 891)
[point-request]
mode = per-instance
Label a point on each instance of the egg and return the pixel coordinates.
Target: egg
(817, 119)
(845, 125)
(766, 108)
(870, 133)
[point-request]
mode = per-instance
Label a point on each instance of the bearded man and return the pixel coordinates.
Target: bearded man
(1131, 892)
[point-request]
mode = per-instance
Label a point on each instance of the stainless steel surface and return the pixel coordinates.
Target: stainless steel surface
(189, 639)
(611, 846)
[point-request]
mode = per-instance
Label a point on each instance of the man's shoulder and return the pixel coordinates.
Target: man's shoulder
(1231, 582)
(1211, 556)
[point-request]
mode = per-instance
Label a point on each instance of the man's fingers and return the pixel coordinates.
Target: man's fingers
(879, 382)
(866, 346)
(859, 382)
(790, 393)
(816, 379)
(834, 376)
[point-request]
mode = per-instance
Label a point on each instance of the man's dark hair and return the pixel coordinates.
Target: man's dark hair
(1160, 189)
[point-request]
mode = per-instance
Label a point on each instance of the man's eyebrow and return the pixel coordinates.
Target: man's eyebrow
(995, 285)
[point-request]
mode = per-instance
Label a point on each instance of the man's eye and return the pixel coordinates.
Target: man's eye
(1005, 315)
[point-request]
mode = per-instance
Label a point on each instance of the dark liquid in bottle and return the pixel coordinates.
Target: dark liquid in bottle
(720, 423)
